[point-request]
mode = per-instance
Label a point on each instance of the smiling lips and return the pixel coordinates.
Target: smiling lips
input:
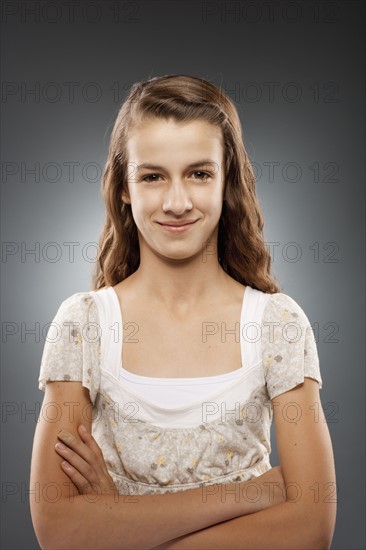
(177, 226)
(178, 223)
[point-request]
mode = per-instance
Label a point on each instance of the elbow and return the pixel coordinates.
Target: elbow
(52, 532)
(46, 541)
(326, 532)
(328, 525)
(315, 528)
(44, 537)
(325, 537)
(50, 540)
(40, 522)
(315, 539)
(41, 532)
(324, 542)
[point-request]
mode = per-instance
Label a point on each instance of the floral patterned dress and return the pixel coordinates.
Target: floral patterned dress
(151, 449)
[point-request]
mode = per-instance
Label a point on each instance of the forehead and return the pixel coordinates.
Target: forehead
(167, 139)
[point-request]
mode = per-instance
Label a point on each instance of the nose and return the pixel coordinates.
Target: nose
(176, 199)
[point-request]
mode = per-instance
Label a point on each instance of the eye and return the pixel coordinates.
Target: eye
(146, 178)
(206, 175)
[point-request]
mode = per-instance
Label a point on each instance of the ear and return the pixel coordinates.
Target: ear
(125, 197)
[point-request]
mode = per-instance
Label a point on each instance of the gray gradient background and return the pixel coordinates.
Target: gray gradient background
(173, 37)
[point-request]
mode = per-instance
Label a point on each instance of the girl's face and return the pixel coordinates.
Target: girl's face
(175, 174)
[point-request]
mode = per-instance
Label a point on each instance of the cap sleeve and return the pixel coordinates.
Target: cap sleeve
(289, 351)
(72, 347)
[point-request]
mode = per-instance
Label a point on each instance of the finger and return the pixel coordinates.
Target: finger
(84, 467)
(81, 450)
(83, 476)
(89, 440)
(82, 484)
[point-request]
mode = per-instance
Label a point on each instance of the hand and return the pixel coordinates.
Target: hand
(85, 464)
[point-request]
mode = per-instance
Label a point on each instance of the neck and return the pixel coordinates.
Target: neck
(180, 285)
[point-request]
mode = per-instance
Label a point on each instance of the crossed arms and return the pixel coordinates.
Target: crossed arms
(306, 519)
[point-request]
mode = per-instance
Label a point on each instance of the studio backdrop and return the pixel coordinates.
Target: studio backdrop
(295, 71)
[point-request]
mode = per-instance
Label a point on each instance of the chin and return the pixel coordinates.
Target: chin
(176, 255)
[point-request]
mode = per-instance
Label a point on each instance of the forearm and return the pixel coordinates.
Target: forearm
(136, 521)
(280, 527)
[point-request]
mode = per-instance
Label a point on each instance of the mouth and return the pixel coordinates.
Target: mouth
(177, 227)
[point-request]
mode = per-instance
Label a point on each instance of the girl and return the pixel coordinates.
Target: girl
(179, 356)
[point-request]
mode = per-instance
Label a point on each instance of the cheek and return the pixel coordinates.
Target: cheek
(143, 208)
(213, 206)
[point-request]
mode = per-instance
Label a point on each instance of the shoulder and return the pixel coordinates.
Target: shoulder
(76, 305)
(285, 333)
(282, 308)
(77, 301)
(76, 315)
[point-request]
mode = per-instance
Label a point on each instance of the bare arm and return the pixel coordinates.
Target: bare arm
(307, 519)
(64, 519)
(280, 527)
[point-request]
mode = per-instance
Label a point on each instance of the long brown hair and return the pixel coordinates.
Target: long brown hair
(241, 249)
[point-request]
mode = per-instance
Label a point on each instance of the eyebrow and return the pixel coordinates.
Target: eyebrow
(156, 167)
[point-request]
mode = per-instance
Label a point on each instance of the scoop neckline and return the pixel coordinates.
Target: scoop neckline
(158, 380)
(182, 408)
